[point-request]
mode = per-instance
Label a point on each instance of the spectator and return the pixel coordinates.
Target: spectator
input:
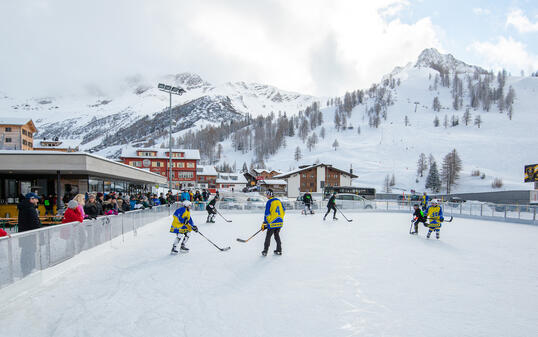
(81, 200)
(73, 213)
(197, 196)
(28, 213)
(185, 196)
(91, 208)
(162, 200)
(49, 205)
(100, 200)
(4, 233)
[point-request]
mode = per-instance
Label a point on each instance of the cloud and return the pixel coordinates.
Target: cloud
(506, 53)
(481, 11)
(520, 21)
(322, 47)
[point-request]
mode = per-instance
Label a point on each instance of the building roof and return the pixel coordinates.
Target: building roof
(64, 143)
(206, 170)
(259, 171)
(288, 174)
(273, 182)
(231, 178)
(130, 152)
(17, 121)
(49, 162)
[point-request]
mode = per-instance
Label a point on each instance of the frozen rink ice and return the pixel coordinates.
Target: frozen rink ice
(364, 278)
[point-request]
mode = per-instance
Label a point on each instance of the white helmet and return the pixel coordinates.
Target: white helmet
(187, 203)
(436, 201)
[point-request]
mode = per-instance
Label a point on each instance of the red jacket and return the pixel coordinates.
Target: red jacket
(72, 215)
(2, 232)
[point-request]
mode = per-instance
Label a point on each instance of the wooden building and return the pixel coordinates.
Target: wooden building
(17, 133)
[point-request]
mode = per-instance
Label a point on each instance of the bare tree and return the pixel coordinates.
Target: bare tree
(297, 156)
(450, 170)
(422, 164)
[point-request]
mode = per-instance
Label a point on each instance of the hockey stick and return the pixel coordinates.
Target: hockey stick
(412, 222)
(449, 220)
(253, 235)
(348, 220)
(222, 216)
(221, 249)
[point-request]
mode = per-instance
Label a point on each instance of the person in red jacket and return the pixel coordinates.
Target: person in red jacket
(4, 233)
(72, 213)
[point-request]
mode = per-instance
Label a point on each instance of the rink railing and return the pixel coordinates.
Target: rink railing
(27, 252)
(526, 214)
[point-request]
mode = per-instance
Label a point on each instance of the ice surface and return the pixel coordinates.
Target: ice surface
(364, 278)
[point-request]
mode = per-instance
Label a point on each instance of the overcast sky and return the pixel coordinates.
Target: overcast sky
(320, 47)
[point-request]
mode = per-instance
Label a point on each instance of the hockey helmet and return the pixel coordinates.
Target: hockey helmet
(187, 203)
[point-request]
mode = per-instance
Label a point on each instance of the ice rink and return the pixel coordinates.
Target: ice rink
(364, 278)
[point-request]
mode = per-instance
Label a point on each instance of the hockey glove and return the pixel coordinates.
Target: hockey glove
(194, 228)
(264, 226)
(441, 219)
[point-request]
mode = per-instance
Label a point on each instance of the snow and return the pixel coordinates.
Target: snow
(364, 278)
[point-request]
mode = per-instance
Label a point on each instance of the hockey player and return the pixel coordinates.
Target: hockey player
(273, 221)
(418, 216)
(424, 201)
(182, 224)
(307, 200)
(331, 205)
(211, 209)
(435, 215)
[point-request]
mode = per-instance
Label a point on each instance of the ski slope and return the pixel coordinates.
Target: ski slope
(364, 278)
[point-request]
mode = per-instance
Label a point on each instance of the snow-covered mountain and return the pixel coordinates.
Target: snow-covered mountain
(498, 146)
(382, 132)
(101, 121)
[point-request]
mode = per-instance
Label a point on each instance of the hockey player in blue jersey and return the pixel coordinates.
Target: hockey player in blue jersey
(273, 221)
(182, 225)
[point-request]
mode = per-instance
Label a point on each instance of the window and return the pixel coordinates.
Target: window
(24, 142)
(304, 175)
(24, 132)
(30, 144)
(185, 175)
(190, 165)
(8, 129)
(8, 140)
(147, 153)
(30, 135)
(136, 163)
(157, 164)
(180, 165)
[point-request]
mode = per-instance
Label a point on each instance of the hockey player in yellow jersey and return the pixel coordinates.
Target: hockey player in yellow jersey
(182, 225)
(435, 217)
(273, 221)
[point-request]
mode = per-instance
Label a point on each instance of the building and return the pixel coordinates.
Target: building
(55, 144)
(207, 177)
(184, 163)
(314, 178)
(229, 181)
(17, 134)
(262, 174)
(66, 174)
(277, 185)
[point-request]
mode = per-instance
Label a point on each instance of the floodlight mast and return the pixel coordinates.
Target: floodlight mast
(176, 91)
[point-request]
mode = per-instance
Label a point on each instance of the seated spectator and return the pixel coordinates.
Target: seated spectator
(72, 213)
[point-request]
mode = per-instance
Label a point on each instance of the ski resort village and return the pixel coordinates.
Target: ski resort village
(269, 168)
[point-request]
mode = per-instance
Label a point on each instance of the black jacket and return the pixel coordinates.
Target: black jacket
(92, 209)
(28, 217)
(307, 198)
(100, 210)
(419, 214)
(332, 202)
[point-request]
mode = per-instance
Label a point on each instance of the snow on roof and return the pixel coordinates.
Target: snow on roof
(206, 170)
(273, 182)
(14, 120)
(231, 178)
(161, 153)
(258, 171)
(287, 174)
(64, 143)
